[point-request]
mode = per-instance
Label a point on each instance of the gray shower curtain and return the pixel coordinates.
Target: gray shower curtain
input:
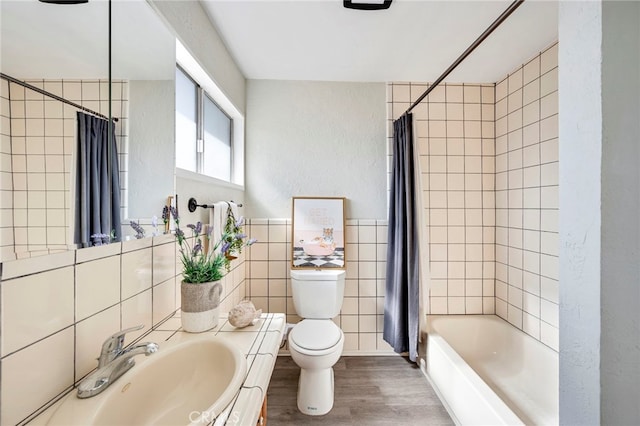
(402, 302)
(97, 208)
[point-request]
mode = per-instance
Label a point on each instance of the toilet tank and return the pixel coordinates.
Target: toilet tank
(317, 294)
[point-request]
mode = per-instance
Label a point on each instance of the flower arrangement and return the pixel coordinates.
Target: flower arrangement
(233, 235)
(200, 266)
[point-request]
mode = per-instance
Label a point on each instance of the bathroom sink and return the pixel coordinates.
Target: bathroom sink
(188, 382)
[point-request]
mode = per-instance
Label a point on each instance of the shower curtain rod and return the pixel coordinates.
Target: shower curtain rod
(508, 11)
(51, 95)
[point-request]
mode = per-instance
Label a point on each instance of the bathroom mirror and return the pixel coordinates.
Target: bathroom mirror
(318, 232)
(63, 49)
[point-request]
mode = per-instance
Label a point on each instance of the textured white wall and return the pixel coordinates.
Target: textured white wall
(599, 202)
(192, 26)
(580, 128)
(315, 139)
(151, 146)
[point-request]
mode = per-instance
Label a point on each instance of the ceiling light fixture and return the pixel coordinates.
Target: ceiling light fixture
(367, 4)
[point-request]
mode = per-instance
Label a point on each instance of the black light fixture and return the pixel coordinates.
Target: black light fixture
(367, 4)
(64, 1)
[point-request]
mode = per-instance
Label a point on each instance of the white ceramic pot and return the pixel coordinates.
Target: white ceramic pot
(200, 305)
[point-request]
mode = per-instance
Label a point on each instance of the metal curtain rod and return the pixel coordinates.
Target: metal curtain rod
(51, 95)
(512, 7)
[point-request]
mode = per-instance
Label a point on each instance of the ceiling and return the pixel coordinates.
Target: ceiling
(413, 40)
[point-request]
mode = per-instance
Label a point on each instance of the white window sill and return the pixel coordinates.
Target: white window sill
(187, 174)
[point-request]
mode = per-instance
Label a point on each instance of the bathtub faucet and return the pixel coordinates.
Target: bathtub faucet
(113, 362)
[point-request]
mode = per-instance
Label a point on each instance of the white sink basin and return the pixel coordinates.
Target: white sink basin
(188, 382)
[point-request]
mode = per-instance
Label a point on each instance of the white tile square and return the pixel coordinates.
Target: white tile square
(531, 70)
(514, 100)
(549, 266)
(454, 93)
(136, 311)
(136, 272)
(514, 316)
(549, 59)
(472, 94)
(35, 306)
(488, 305)
(456, 305)
(97, 286)
(549, 335)
(487, 92)
(164, 300)
(90, 334)
(549, 174)
(35, 375)
(549, 290)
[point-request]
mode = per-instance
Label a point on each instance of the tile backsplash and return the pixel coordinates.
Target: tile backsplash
(58, 309)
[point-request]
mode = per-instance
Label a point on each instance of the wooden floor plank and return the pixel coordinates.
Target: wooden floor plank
(384, 390)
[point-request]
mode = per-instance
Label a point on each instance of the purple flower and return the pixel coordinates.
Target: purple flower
(179, 233)
(139, 229)
(197, 248)
(191, 226)
(241, 236)
(165, 214)
(198, 228)
(240, 222)
(174, 213)
(252, 241)
(225, 247)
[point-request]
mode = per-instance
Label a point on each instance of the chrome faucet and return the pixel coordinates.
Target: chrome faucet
(113, 362)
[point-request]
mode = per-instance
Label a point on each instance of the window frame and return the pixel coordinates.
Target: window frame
(196, 72)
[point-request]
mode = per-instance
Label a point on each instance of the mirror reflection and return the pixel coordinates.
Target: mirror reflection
(63, 50)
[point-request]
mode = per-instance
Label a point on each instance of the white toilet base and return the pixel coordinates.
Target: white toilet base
(315, 391)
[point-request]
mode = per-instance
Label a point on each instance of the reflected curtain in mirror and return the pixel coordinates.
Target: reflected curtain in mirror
(97, 206)
(402, 297)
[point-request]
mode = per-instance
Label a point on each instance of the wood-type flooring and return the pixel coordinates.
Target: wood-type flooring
(372, 390)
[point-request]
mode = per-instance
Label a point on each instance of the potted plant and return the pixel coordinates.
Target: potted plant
(202, 271)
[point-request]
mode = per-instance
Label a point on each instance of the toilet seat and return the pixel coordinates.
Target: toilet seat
(315, 336)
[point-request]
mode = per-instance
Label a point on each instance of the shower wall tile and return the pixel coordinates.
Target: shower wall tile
(458, 177)
(529, 216)
(489, 177)
(39, 138)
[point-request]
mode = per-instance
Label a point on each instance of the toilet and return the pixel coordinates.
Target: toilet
(316, 342)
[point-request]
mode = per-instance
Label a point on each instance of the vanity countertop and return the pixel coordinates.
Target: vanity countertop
(259, 342)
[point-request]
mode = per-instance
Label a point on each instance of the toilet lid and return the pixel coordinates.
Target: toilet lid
(315, 335)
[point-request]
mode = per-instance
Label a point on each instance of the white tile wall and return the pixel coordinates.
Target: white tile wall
(58, 309)
(527, 199)
(455, 137)
(38, 140)
(489, 164)
(361, 318)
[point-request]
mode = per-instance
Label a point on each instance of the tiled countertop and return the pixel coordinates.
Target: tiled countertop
(260, 344)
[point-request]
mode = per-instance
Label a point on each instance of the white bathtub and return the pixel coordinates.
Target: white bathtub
(488, 372)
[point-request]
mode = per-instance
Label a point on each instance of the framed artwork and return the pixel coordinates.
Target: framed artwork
(318, 232)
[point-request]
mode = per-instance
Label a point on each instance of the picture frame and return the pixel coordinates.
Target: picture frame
(318, 233)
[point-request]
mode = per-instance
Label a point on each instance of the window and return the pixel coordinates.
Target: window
(204, 132)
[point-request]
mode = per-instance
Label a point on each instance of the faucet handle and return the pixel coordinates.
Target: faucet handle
(114, 344)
